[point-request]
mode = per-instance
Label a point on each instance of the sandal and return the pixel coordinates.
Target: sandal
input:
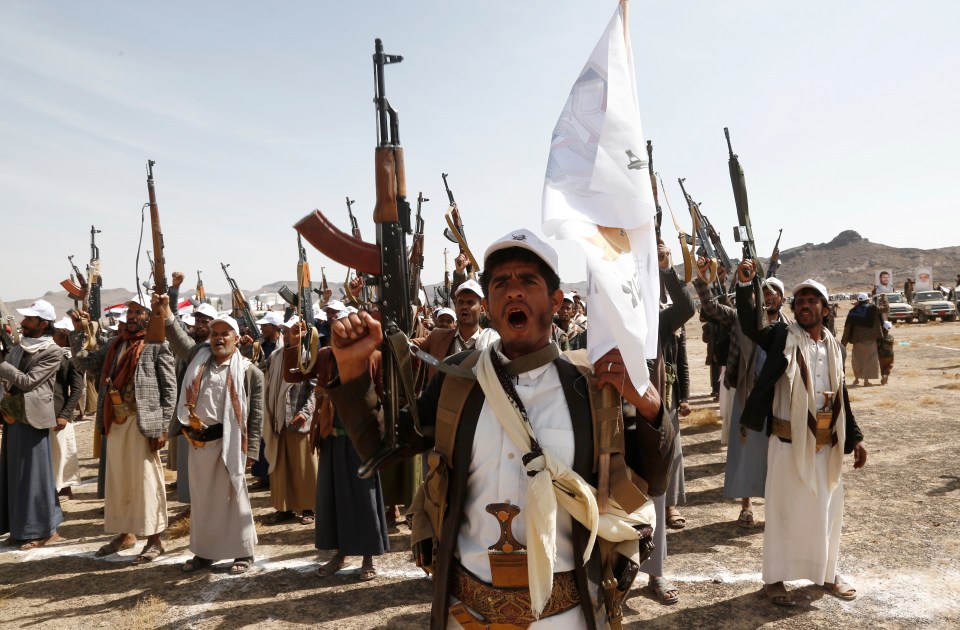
(307, 518)
(114, 546)
(195, 563)
(841, 589)
(281, 517)
(149, 554)
(746, 518)
(329, 568)
(241, 565)
(39, 542)
(665, 591)
(367, 574)
(778, 594)
(674, 519)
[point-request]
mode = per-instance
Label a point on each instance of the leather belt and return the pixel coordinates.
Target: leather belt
(200, 437)
(507, 608)
(824, 432)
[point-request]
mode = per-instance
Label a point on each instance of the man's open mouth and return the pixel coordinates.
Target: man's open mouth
(516, 318)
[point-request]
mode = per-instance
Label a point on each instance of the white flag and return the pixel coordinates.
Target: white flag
(597, 193)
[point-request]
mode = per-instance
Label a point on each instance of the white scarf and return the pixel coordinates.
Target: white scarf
(234, 429)
(801, 401)
(274, 410)
(555, 483)
(32, 345)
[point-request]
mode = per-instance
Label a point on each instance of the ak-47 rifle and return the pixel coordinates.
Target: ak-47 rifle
(310, 339)
(241, 308)
(78, 293)
(774, 263)
(447, 300)
(688, 263)
(387, 260)
(355, 232)
(156, 332)
(454, 230)
(323, 285)
(9, 333)
(658, 217)
(94, 279)
(416, 251)
(702, 230)
(201, 292)
(743, 233)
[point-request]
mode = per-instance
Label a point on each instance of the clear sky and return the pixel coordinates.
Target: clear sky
(844, 115)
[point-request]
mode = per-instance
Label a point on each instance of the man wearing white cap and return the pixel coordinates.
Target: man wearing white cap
(863, 329)
(801, 390)
(291, 462)
(29, 508)
(568, 334)
(514, 451)
(220, 410)
(138, 390)
(745, 474)
(66, 395)
(444, 342)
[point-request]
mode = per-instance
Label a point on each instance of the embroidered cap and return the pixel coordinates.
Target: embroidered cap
(41, 309)
(470, 285)
(525, 239)
(810, 283)
(226, 319)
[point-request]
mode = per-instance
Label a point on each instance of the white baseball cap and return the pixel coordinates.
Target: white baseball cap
(469, 285)
(810, 283)
(862, 297)
(188, 320)
(444, 311)
(205, 309)
(41, 309)
(142, 300)
(64, 324)
(774, 283)
(227, 320)
(290, 323)
(568, 297)
(335, 305)
(525, 239)
(271, 317)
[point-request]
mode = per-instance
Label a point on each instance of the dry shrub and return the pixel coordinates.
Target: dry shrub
(180, 528)
(147, 613)
(929, 400)
(949, 386)
(892, 403)
(911, 373)
(701, 417)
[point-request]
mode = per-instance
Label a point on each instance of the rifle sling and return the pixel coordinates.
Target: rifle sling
(398, 344)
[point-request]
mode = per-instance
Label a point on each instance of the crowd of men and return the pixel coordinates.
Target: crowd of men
(527, 509)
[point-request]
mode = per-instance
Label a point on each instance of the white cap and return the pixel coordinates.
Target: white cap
(469, 285)
(351, 309)
(862, 297)
(809, 283)
(205, 309)
(41, 309)
(774, 283)
(64, 324)
(319, 314)
(142, 300)
(227, 320)
(290, 323)
(444, 311)
(887, 325)
(568, 297)
(188, 320)
(525, 239)
(271, 317)
(335, 305)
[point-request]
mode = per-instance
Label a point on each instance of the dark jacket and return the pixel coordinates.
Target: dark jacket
(773, 339)
(69, 387)
(649, 451)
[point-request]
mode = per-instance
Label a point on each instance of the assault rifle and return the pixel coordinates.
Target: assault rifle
(774, 263)
(702, 230)
(78, 293)
(201, 292)
(310, 340)
(355, 232)
(9, 333)
(241, 308)
(94, 280)
(743, 233)
(454, 231)
(658, 217)
(387, 260)
(156, 332)
(416, 252)
(447, 300)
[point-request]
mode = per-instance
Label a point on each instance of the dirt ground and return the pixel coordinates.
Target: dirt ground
(900, 546)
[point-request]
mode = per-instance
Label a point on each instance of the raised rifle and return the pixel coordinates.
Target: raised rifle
(78, 293)
(94, 279)
(241, 308)
(156, 332)
(416, 251)
(9, 333)
(446, 280)
(454, 230)
(658, 217)
(355, 232)
(706, 243)
(688, 263)
(201, 293)
(389, 290)
(323, 286)
(310, 339)
(743, 233)
(774, 263)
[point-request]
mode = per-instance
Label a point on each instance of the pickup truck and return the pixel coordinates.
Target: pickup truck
(929, 305)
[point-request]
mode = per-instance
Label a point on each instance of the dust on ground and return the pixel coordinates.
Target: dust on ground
(900, 545)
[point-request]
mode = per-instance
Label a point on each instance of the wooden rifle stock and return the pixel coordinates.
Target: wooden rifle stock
(155, 327)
